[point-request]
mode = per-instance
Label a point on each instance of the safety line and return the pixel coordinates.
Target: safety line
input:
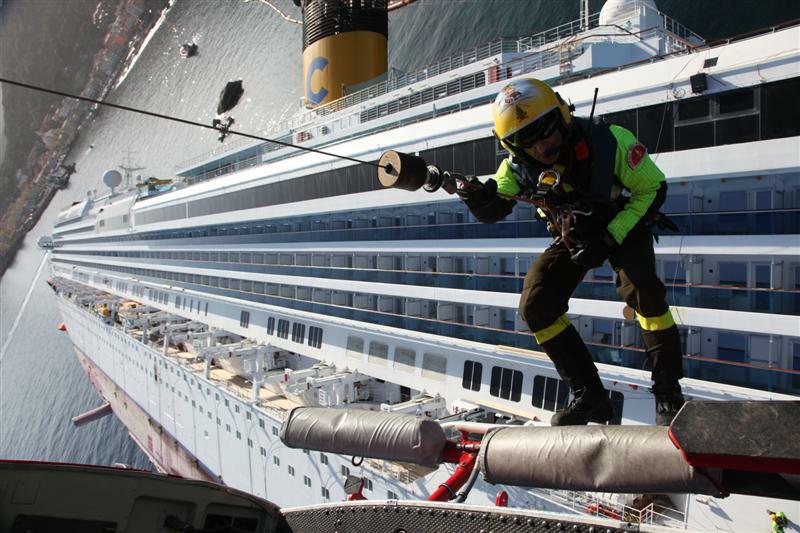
(181, 120)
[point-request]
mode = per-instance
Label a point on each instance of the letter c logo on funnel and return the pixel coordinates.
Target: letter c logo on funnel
(318, 63)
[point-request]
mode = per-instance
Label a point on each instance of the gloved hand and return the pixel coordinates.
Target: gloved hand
(596, 252)
(476, 194)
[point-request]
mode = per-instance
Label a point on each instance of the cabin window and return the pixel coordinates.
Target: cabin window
(378, 352)
(283, 328)
(306, 481)
(434, 366)
(405, 360)
(244, 319)
(506, 383)
(326, 493)
(731, 347)
(355, 347)
(780, 114)
(736, 101)
(471, 379)
(694, 108)
(298, 332)
(694, 136)
(270, 325)
(674, 272)
(315, 337)
(290, 469)
(323, 458)
(617, 400)
(734, 274)
(733, 200)
(549, 393)
(345, 471)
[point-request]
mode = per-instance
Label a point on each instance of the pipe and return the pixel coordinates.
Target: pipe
(92, 415)
(462, 473)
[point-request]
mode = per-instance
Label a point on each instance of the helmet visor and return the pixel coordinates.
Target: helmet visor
(535, 131)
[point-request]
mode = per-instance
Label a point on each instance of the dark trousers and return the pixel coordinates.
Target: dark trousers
(552, 279)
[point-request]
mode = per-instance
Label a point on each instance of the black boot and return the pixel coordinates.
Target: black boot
(588, 405)
(664, 350)
(575, 366)
(669, 401)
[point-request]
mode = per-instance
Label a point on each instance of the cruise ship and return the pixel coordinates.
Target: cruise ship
(267, 277)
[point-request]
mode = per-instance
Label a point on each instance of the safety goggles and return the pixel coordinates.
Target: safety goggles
(536, 131)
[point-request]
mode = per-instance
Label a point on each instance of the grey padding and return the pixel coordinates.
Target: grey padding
(628, 459)
(362, 433)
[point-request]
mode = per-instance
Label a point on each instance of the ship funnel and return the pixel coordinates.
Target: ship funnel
(344, 43)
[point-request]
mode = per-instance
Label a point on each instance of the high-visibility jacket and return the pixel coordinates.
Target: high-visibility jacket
(603, 161)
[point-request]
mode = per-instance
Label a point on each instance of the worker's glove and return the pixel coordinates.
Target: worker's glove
(476, 194)
(596, 251)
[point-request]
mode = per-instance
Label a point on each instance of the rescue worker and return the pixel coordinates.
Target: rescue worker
(595, 162)
(779, 521)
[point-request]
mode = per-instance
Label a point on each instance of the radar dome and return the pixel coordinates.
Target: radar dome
(112, 178)
(617, 11)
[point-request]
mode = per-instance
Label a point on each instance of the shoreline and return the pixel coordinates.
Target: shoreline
(42, 188)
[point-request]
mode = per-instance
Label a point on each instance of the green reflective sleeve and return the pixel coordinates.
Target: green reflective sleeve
(506, 182)
(643, 181)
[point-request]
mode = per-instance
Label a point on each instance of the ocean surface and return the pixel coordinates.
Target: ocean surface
(41, 383)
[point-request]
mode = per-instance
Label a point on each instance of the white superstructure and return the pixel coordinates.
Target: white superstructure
(279, 278)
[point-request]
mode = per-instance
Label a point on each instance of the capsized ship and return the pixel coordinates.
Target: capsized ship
(272, 278)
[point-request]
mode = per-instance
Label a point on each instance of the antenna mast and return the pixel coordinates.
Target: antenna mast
(584, 14)
(127, 166)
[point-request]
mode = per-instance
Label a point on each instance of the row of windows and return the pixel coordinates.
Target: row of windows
(434, 366)
(472, 322)
(728, 285)
(607, 344)
(298, 332)
(183, 303)
(451, 219)
(323, 460)
(548, 393)
(768, 111)
(763, 112)
(425, 96)
(474, 157)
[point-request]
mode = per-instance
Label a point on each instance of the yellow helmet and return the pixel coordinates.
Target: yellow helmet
(526, 109)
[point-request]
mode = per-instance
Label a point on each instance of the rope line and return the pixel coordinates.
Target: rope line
(181, 120)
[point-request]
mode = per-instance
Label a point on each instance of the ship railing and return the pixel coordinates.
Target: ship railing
(593, 504)
(402, 472)
(400, 80)
(561, 54)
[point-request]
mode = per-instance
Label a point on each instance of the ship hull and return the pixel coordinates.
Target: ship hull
(163, 450)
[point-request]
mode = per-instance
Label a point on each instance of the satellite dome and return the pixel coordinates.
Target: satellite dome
(112, 178)
(620, 11)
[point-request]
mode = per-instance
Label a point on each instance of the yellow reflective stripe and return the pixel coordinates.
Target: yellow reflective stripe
(656, 323)
(545, 334)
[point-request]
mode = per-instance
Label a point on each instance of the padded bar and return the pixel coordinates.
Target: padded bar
(590, 458)
(754, 436)
(362, 433)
